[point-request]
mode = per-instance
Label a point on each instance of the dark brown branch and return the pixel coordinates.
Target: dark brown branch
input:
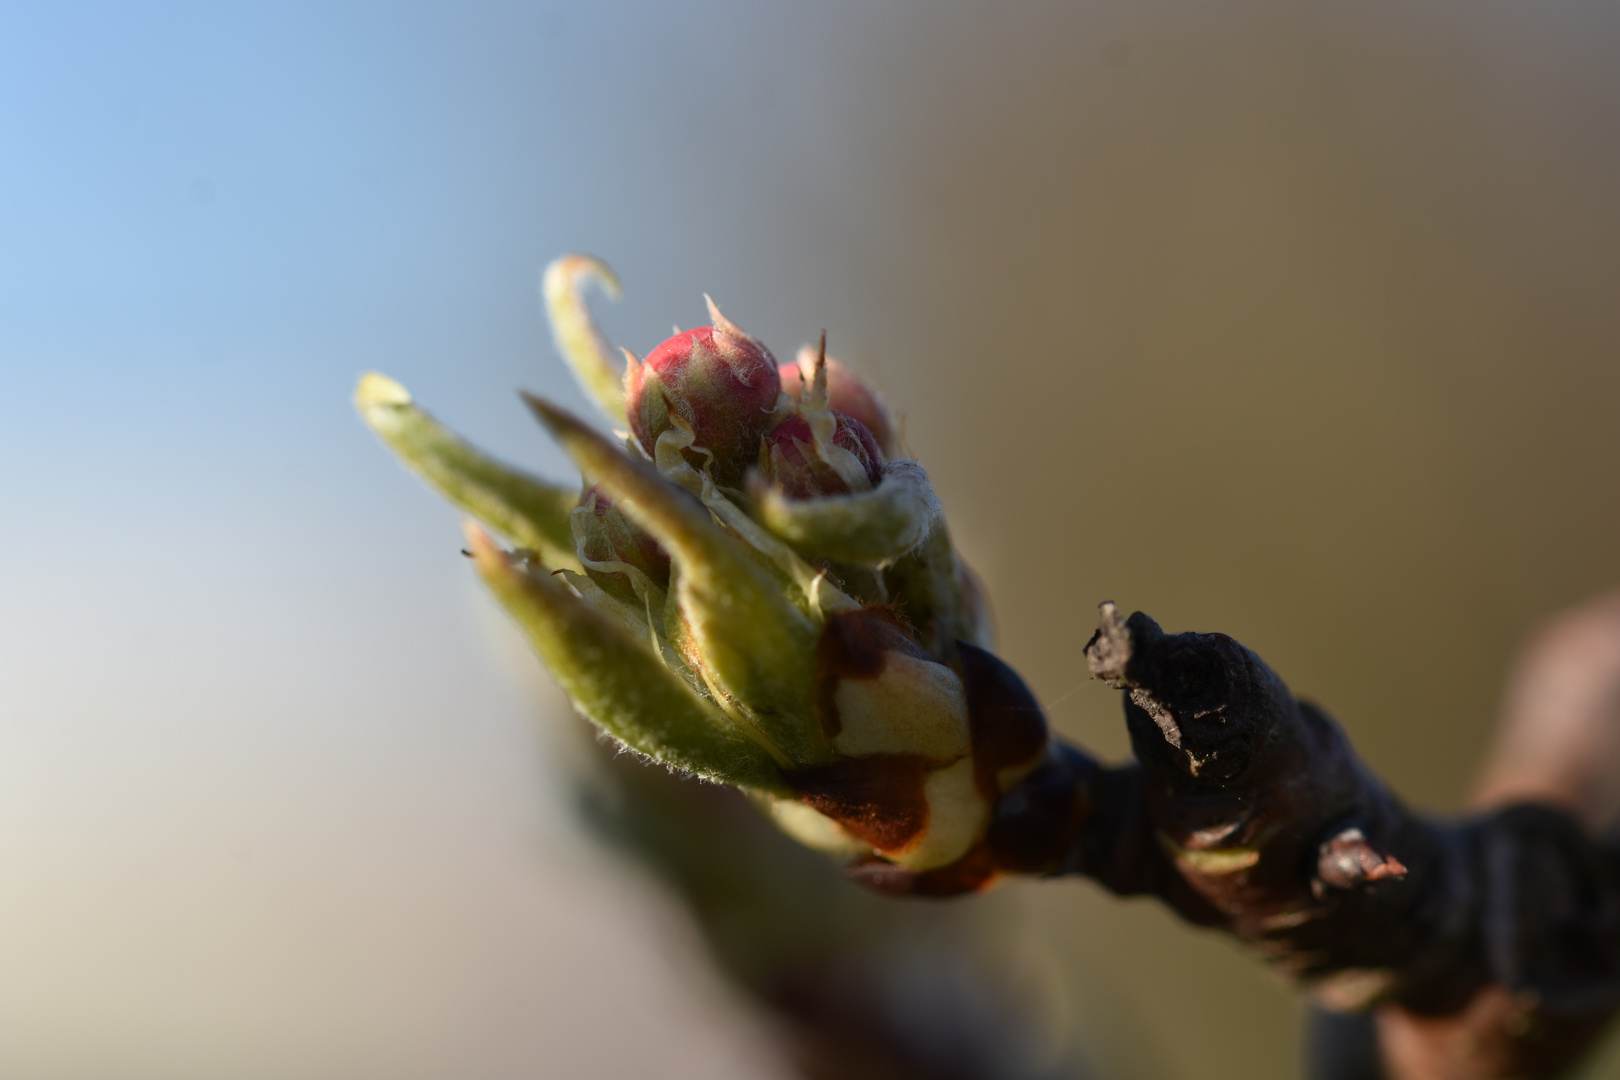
(1247, 810)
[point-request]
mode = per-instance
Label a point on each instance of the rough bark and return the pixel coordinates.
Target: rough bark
(1490, 945)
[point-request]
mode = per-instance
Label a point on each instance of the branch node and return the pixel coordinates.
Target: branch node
(1350, 861)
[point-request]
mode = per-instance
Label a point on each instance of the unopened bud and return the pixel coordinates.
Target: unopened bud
(791, 461)
(1349, 860)
(720, 385)
(847, 393)
(618, 556)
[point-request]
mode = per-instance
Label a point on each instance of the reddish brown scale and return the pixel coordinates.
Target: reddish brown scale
(788, 457)
(1004, 719)
(847, 393)
(723, 385)
(855, 645)
(973, 872)
(1349, 861)
(1037, 822)
(879, 799)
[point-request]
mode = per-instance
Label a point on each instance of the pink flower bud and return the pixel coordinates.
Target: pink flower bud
(789, 459)
(614, 552)
(720, 383)
(847, 393)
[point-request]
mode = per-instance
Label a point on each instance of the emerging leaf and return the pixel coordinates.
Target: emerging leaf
(525, 509)
(617, 681)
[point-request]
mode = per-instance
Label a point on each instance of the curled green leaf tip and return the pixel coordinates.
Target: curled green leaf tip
(592, 359)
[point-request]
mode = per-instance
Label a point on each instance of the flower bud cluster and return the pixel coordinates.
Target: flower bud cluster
(717, 384)
(755, 589)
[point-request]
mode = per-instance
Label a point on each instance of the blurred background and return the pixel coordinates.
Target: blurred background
(1297, 321)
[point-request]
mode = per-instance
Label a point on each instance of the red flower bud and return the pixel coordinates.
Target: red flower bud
(788, 458)
(719, 383)
(614, 551)
(847, 393)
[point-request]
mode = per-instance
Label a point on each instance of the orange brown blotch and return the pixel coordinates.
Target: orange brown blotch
(880, 799)
(973, 872)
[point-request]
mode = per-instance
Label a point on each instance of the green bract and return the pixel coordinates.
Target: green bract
(807, 650)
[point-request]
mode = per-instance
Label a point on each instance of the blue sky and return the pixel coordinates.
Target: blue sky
(251, 701)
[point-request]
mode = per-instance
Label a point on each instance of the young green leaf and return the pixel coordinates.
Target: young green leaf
(523, 508)
(616, 680)
(868, 528)
(754, 643)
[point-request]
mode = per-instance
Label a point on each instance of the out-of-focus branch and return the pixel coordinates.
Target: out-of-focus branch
(1559, 738)
(1558, 744)
(853, 986)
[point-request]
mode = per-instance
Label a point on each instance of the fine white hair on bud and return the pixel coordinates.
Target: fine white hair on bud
(847, 393)
(869, 528)
(719, 385)
(750, 588)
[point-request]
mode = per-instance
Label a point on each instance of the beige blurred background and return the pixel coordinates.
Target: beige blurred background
(1295, 321)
